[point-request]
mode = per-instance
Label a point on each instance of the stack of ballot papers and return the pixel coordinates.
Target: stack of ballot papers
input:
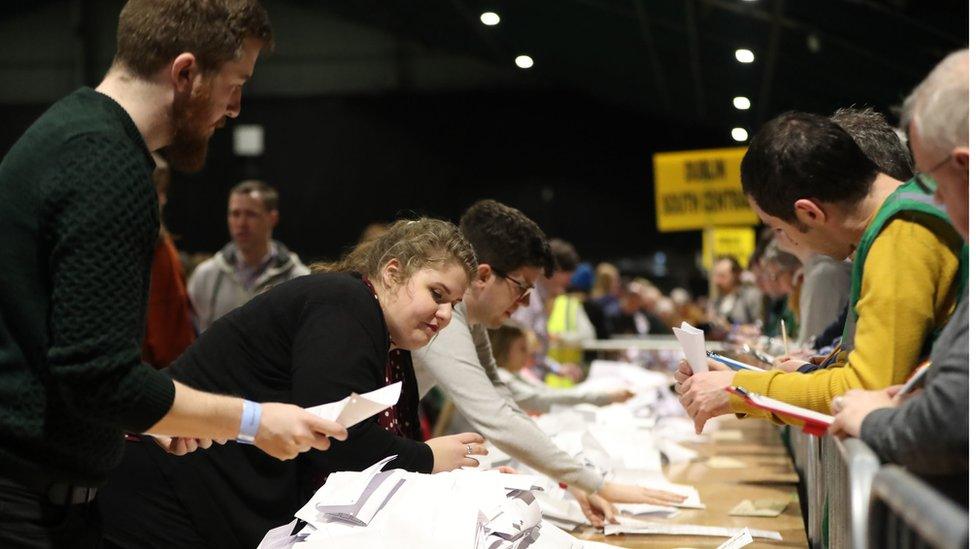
(462, 508)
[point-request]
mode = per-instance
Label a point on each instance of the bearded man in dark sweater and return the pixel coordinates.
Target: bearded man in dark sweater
(78, 224)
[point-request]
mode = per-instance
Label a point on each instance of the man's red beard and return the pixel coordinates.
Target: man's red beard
(188, 151)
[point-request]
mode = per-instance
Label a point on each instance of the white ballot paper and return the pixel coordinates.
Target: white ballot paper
(740, 539)
(685, 530)
(692, 342)
(355, 408)
(353, 497)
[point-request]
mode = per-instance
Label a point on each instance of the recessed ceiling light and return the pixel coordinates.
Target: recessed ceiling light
(741, 103)
(524, 62)
(740, 134)
(744, 56)
(490, 18)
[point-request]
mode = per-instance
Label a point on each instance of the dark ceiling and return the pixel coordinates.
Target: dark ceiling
(674, 58)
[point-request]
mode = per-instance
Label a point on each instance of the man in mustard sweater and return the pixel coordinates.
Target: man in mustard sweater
(808, 180)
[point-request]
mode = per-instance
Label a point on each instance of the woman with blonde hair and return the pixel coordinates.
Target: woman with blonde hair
(348, 327)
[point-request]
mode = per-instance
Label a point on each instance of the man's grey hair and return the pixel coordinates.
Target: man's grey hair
(939, 106)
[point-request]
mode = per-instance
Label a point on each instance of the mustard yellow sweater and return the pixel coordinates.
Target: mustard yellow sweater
(907, 291)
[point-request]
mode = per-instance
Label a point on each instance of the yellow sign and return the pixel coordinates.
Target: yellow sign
(739, 242)
(698, 189)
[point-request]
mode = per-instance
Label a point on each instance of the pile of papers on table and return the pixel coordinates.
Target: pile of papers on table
(463, 508)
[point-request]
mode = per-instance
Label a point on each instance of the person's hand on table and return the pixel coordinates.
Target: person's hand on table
(703, 395)
(597, 510)
(453, 451)
(851, 409)
(629, 493)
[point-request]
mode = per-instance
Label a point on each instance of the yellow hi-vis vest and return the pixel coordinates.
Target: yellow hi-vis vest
(562, 320)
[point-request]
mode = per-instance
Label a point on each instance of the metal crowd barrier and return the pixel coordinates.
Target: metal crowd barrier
(906, 513)
(849, 466)
(806, 457)
(843, 469)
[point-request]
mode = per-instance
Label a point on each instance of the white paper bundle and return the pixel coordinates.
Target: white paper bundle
(692, 342)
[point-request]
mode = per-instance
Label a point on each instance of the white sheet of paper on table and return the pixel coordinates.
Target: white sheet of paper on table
(685, 530)
(692, 342)
(647, 510)
(355, 408)
(740, 539)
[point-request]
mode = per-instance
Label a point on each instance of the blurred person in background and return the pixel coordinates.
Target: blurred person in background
(558, 321)
(780, 270)
(686, 308)
(169, 317)
(735, 303)
(251, 263)
(606, 289)
(510, 346)
(632, 318)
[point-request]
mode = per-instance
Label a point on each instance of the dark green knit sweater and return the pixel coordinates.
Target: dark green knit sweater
(78, 222)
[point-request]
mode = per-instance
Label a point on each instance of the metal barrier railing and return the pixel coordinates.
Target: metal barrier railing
(844, 470)
(849, 467)
(905, 513)
(806, 457)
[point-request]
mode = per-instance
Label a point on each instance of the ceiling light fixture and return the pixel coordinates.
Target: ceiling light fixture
(490, 18)
(524, 62)
(740, 134)
(744, 56)
(741, 103)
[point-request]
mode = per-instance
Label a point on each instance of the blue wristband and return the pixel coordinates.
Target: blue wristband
(250, 421)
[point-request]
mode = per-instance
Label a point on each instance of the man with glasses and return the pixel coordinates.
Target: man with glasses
(809, 180)
(513, 253)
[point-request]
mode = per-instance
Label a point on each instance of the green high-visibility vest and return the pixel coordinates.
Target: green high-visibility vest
(908, 197)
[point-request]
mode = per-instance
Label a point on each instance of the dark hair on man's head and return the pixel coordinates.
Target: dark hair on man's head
(564, 254)
(266, 193)
(152, 33)
(505, 238)
(800, 155)
(879, 141)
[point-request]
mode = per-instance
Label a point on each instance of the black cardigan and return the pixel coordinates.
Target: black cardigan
(309, 341)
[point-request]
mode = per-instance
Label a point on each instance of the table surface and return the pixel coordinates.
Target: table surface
(769, 474)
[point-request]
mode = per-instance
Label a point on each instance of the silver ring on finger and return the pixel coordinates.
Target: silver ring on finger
(839, 402)
(468, 447)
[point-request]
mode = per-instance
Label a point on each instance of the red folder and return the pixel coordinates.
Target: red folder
(814, 423)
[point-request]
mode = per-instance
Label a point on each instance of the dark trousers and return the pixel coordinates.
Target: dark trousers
(30, 520)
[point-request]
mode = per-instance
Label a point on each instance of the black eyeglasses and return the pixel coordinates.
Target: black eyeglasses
(524, 290)
(925, 179)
